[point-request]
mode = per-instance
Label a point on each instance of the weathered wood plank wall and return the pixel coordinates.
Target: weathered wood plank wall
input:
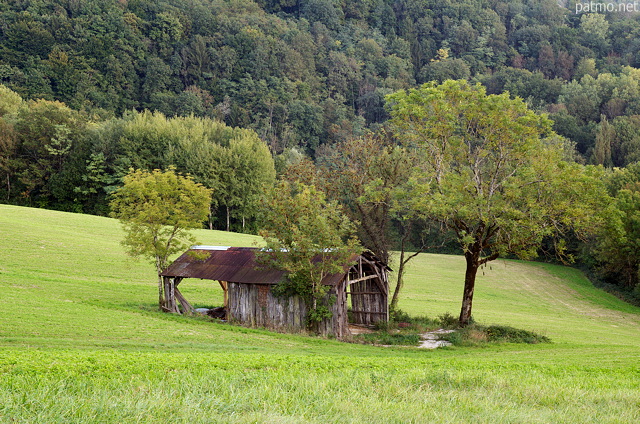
(255, 305)
(338, 324)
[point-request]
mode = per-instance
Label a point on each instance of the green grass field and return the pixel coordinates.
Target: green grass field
(80, 341)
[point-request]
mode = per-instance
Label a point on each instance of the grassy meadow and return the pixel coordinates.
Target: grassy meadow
(81, 342)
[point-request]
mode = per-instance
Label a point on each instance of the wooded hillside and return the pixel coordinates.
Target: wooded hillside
(308, 73)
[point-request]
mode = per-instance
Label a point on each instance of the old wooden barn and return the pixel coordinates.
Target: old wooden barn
(361, 291)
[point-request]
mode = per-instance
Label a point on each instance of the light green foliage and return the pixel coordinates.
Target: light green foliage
(46, 133)
(309, 238)
(234, 162)
(594, 26)
(582, 98)
(489, 176)
(10, 101)
(156, 210)
(585, 66)
(245, 168)
(604, 139)
(611, 97)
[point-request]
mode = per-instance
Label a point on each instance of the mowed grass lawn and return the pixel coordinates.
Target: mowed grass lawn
(80, 341)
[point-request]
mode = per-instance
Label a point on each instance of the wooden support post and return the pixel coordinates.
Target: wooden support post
(186, 306)
(169, 295)
(223, 284)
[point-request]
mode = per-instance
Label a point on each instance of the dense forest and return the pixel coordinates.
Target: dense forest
(90, 89)
(309, 73)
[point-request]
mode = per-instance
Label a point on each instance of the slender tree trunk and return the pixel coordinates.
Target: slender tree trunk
(396, 292)
(401, 267)
(161, 301)
(228, 220)
(160, 292)
(469, 285)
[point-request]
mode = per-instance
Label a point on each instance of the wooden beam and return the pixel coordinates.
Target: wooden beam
(369, 312)
(224, 286)
(366, 277)
(183, 301)
(169, 295)
(375, 268)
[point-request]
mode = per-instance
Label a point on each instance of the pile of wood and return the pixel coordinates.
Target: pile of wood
(218, 313)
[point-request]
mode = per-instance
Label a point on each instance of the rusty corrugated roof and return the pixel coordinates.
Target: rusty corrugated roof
(236, 265)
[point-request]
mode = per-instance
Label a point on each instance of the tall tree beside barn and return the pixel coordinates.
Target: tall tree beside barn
(494, 174)
(157, 209)
(309, 238)
(370, 176)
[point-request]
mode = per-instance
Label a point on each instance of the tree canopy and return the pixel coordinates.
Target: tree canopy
(306, 74)
(493, 173)
(309, 238)
(222, 89)
(157, 209)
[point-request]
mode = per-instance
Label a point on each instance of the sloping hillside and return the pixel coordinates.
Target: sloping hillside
(65, 277)
(80, 341)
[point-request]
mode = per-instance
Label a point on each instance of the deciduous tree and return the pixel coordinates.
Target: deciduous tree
(309, 238)
(491, 174)
(618, 246)
(157, 209)
(370, 176)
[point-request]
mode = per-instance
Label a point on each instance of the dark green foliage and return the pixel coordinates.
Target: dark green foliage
(406, 330)
(302, 75)
(398, 315)
(505, 334)
(308, 73)
(479, 335)
(447, 320)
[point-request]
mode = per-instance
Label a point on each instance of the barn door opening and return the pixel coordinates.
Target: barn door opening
(203, 297)
(366, 295)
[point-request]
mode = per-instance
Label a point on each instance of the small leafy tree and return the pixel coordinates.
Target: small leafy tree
(307, 237)
(157, 209)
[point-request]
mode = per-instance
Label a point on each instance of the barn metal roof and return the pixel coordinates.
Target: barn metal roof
(237, 265)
